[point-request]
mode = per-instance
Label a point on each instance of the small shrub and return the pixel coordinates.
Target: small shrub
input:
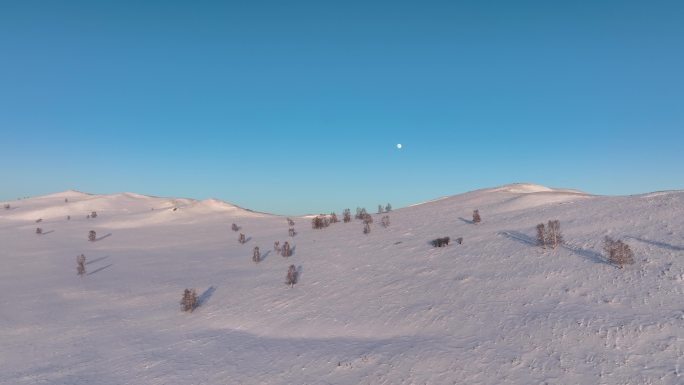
(291, 278)
(234, 227)
(618, 252)
(39, 230)
(189, 300)
(93, 214)
(346, 216)
(80, 265)
(459, 240)
(441, 242)
(290, 222)
(291, 232)
(92, 235)
(286, 252)
(241, 238)
(385, 221)
(256, 256)
(476, 217)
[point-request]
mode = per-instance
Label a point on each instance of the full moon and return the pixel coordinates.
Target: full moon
(399, 146)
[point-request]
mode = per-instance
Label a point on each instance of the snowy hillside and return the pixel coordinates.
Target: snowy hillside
(382, 308)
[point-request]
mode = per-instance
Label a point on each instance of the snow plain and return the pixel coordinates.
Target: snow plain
(382, 308)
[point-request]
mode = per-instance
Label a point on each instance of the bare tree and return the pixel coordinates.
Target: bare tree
(276, 246)
(554, 236)
(291, 232)
(346, 216)
(380, 209)
(286, 249)
(92, 235)
(333, 218)
(189, 300)
(256, 256)
(234, 227)
(241, 238)
(291, 278)
(93, 214)
(388, 208)
(476, 217)
(290, 222)
(541, 235)
(80, 265)
(366, 228)
(618, 252)
(385, 221)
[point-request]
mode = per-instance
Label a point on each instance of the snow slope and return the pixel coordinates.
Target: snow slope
(383, 308)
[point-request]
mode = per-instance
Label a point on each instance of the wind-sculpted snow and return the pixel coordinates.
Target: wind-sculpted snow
(382, 308)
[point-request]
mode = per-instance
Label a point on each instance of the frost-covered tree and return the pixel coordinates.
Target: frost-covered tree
(234, 227)
(241, 238)
(388, 208)
(346, 216)
(92, 235)
(286, 249)
(320, 222)
(80, 265)
(333, 218)
(276, 246)
(360, 213)
(541, 235)
(476, 217)
(291, 278)
(290, 222)
(189, 300)
(385, 221)
(618, 252)
(366, 228)
(553, 234)
(256, 256)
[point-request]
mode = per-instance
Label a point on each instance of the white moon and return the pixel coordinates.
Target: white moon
(399, 146)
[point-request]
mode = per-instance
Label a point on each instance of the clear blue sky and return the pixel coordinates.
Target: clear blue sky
(297, 107)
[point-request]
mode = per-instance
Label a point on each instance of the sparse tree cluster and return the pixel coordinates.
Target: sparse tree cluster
(291, 278)
(618, 252)
(441, 242)
(346, 216)
(286, 252)
(360, 213)
(189, 300)
(549, 235)
(320, 222)
(92, 235)
(241, 238)
(234, 227)
(80, 265)
(333, 218)
(256, 255)
(476, 217)
(385, 221)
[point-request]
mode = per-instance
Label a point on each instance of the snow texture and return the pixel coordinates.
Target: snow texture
(382, 308)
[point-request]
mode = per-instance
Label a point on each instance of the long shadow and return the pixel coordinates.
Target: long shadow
(298, 274)
(292, 250)
(97, 259)
(100, 269)
(519, 237)
(103, 237)
(248, 239)
(466, 221)
(588, 254)
(263, 256)
(205, 296)
(48, 232)
(657, 243)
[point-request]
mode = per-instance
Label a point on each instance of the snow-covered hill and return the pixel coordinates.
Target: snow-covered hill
(382, 308)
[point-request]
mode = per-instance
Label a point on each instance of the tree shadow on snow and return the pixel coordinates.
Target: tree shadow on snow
(657, 243)
(466, 220)
(519, 237)
(100, 269)
(248, 239)
(103, 237)
(586, 253)
(264, 255)
(48, 232)
(205, 296)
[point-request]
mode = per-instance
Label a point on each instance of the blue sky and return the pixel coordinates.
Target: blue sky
(297, 107)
